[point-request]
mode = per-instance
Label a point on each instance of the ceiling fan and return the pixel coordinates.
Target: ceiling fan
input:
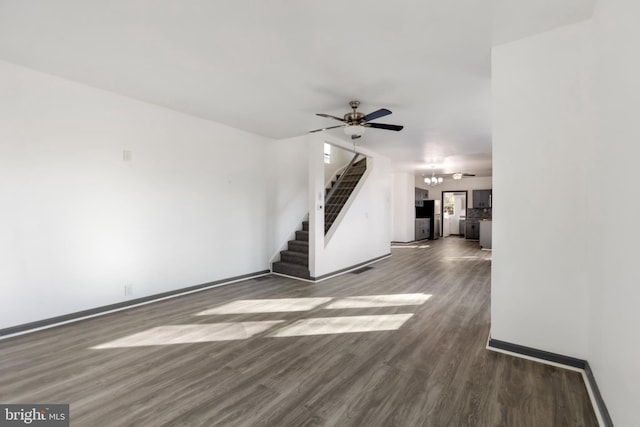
(459, 175)
(355, 122)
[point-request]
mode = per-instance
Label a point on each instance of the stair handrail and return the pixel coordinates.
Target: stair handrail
(334, 187)
(335, 176)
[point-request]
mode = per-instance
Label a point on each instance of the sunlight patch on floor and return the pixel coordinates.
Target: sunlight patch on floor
(342, 325)
(187, 334)
(231, 331)
(280, 305)
(379, 301)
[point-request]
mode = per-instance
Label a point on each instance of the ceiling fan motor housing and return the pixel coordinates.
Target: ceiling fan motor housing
(353, 118)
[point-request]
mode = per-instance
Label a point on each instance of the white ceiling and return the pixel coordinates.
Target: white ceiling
(269, 66)
(515, 19)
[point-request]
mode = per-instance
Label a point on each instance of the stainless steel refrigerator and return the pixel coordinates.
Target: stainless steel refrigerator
(430, 209)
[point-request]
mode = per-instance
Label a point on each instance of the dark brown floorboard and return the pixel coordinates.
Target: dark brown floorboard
(433, 371)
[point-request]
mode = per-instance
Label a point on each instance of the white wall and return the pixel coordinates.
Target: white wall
(287, 190)
(540, 231)
(614, 341)
(363, 231)
(466, 183)
(567, 99)
(78, 223)
(403, 212)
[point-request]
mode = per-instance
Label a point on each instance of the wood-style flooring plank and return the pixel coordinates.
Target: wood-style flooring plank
(432, 371)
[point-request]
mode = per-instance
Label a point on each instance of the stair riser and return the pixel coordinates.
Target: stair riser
(302, 235)
(295, 258)
(296, 246)
(291, 270)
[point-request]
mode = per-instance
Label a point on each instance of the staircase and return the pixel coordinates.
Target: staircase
(340, 191)
(295, 260)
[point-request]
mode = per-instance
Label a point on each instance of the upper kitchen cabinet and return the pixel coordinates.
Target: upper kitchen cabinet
(421, 195)
(481, 199)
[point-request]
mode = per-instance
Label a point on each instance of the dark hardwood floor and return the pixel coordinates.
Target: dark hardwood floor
(428, 368)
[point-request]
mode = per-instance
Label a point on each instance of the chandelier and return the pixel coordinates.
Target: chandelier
(433, 180)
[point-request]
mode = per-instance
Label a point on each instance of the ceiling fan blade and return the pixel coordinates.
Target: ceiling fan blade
(384, 126)
(376, 114)
(468, 174)
(331, 127)
(329, 116)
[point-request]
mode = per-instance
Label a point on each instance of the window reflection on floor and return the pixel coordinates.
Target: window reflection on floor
(379, 301)
(187, 334)
(343, 325)
(230, 331)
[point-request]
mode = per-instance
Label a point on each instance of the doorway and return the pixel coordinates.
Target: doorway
(454, 212)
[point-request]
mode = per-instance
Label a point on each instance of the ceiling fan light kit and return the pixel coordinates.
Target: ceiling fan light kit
(457, 175)
(355, 122)
(352, 130)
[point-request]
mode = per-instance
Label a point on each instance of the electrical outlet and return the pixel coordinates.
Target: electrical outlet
(128, 290)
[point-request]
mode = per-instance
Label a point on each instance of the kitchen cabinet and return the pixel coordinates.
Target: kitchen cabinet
(485, 234)
(423, 228)
(461, 227)
(482, 199)
(472, 230)
(421, 196)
